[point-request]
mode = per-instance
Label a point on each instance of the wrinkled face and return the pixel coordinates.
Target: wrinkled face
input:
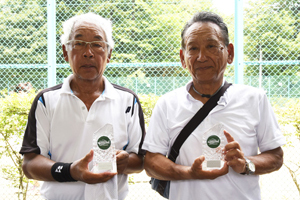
(205, 54)
(86, 63)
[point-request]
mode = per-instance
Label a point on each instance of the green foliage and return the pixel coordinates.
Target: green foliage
(23, 32)
(148, 102)
(288, 116)
(272, 33)
(144, 31)
(14, 109)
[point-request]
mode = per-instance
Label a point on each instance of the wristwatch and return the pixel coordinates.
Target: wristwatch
(250, 167)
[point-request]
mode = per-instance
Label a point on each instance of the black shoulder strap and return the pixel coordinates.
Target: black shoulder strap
(195, 121)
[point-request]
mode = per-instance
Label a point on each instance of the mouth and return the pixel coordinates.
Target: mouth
(204, 68)
(88, 66)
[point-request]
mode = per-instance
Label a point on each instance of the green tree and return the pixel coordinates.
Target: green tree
(23, 42)
(144, 32)
(272, 33)
(14, 109)
(288, 116)
(23, 32)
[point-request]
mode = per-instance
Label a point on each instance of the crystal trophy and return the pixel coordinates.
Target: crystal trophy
(214, 142)
(104, 150)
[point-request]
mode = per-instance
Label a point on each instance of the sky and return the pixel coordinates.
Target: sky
(225, 6)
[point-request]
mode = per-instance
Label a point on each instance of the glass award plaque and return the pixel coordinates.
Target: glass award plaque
(214, 142)
(104, 150)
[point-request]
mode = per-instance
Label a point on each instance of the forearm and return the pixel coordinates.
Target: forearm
(268, 161)
(37, 167)
(160, 167)
(135, 164)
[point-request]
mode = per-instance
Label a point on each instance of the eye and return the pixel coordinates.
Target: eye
(192, 48)
(97, 44)
(211, 46)
(78, 43)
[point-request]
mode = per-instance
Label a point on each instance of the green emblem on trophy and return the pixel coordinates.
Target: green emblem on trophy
(213, 141)
(103, 142)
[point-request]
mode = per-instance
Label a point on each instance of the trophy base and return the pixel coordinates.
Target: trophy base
(105, 167)
(212, 164)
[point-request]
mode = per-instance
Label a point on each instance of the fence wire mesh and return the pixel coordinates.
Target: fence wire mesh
(146, 58)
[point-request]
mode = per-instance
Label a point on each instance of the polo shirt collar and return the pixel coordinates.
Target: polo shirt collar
(187, 88)
(109, 90)
(66, 85)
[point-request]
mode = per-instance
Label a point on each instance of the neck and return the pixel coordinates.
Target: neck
(81, 86)
(203, 91)
(87, 91)
(205, 95)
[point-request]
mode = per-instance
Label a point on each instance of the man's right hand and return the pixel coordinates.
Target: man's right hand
(160, 167)
(197, 172)
(80, 171)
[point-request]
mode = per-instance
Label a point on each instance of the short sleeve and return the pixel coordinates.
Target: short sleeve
(136, 128)
(157, 138)
(269, 135)
(36, 136)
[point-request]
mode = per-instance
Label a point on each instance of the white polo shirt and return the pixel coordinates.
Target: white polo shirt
(61, 128)
(247, 116)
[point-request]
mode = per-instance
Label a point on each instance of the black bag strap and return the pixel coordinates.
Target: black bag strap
(195, 121)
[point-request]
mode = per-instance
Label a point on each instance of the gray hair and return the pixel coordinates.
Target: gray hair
(104, 24)
(206, 17)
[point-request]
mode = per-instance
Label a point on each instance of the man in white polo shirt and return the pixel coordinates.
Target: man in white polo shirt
(58, 140)
(244, 111)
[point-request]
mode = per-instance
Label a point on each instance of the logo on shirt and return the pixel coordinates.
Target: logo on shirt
(103, 142)
(128, 109)
(213, 141)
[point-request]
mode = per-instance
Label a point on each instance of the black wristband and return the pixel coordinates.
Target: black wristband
(61, 172)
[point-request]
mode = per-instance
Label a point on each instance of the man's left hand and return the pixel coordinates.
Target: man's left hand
(234, 154)
(122, 161)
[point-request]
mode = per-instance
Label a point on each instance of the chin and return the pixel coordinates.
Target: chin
(89, 78)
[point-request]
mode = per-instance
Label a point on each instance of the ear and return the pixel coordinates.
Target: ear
(65, 53)
(182, 58)
(230, 51)
(109, 56)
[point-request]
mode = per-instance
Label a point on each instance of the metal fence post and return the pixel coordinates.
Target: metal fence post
(238, 42)
(155, 85)
(136, 85)
(288, 87)
(269, 86)
(51, 29)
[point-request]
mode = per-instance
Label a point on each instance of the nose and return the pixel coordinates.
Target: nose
(202, 56)
(88, 51)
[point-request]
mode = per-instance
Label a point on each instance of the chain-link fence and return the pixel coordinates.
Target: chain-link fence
(146, 56)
